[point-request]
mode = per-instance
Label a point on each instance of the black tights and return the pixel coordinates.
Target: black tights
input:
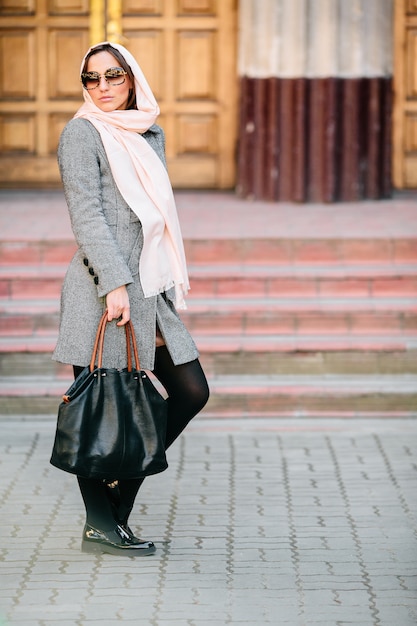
(188, 392)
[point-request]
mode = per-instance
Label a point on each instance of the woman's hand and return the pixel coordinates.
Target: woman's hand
(118, 305)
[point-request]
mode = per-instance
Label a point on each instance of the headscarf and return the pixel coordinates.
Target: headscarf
(144, 183)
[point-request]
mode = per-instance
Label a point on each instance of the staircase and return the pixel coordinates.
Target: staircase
(286, 325)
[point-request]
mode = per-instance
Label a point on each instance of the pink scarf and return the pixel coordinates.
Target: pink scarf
(144, 183)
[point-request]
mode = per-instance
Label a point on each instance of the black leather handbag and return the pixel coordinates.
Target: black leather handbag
(111, 423)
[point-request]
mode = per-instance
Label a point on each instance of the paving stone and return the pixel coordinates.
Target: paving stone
(310, 523)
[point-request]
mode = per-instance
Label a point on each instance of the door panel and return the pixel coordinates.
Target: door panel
(405, 90)
(186, 49)
(41, 46)
(196, 53)
(18, 48)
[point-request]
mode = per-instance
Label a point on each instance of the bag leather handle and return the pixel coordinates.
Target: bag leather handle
(97, 354)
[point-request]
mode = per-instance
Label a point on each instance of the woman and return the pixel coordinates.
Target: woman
(130, 261)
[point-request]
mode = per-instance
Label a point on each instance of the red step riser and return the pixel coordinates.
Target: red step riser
(258, 403)
(28, 325)
(247, 323)
(291, 251)
(24, 288)
(30, 288)
(34, 252)
(255, 405)
(264, 287)
(253, 251)
(303, 323)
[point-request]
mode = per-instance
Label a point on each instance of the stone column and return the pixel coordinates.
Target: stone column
(316, 91)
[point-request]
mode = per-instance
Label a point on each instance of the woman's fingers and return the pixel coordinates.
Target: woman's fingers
(117, 302)
(125, 317)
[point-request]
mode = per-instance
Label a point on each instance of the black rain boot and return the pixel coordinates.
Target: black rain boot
(117, 542)
(102, 532)
(120, 511)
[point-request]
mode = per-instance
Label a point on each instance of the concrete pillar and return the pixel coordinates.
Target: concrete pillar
(323, 69)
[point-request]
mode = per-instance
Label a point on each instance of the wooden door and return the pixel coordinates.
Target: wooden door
(187, 51)
(41, 46)
(185, 47)
(405, 95)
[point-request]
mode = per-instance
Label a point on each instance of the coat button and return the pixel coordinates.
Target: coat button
(86, 262)
(96, 280)
(91, 271)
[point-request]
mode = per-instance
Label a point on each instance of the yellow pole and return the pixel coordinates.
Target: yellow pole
(97, 21)
(114, 23)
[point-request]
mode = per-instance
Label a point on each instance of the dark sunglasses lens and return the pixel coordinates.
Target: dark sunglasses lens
(90, 81)
(115, 76)
(115, 72)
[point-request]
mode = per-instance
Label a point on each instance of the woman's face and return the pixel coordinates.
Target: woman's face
(107, 97)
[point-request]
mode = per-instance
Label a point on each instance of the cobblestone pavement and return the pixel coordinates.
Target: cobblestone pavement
(256, 522)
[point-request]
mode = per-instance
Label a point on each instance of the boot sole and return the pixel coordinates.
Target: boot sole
(91, 547)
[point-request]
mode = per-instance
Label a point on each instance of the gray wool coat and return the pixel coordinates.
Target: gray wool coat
(109, 238)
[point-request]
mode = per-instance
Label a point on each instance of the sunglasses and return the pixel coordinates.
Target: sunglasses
(114, 76)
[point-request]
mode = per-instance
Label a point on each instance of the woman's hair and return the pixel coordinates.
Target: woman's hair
(106, 47)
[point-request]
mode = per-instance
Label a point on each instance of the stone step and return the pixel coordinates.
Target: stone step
(248, 316)
(296, 311)
(258, 356)
(251, 281)
(304, 395)
(36, 252)
(319, 316)
(288, 250)
(310, 357)
(44, 342)
(249, 396)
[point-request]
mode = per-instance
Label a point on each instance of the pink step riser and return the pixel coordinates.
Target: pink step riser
(249, 402)
(40, 286)
(317, 323)
(254, 251)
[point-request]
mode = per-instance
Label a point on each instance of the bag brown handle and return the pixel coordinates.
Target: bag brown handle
(97, 354)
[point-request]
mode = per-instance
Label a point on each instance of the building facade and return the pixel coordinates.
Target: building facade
(296, 100)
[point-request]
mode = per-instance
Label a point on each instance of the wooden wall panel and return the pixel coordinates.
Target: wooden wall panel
(186, 49)
(197, 60)
(17, 7)
(68, 7)
(410, 171)
(404, 156)
(196, 134)
(18, 64)
(194, 172)
(148, 48)
(56, 123)
(66, 49)
(411, 64)
(142, 7)
(196, 7)
(411, 6)
(410, 132)
(41, 46)
(17, 133)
